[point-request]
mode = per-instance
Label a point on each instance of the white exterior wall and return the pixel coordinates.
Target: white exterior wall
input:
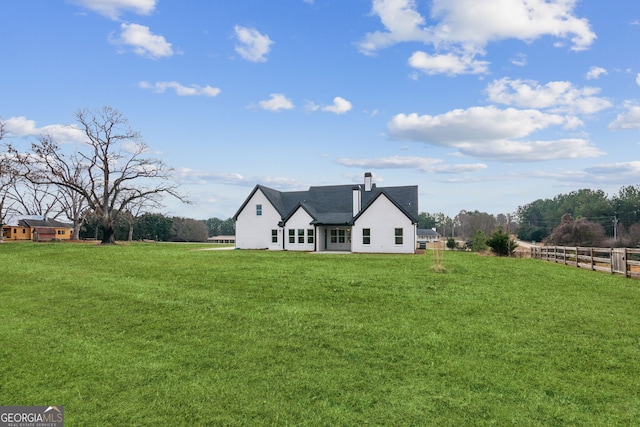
(382, 218)
(300, 220)
(254, 231)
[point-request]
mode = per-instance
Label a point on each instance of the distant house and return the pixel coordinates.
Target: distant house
(222, 239)
(427, 235)
(352, 218)
(38, 230)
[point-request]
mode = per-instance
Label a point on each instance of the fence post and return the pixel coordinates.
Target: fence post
(593, 263)
(611, 259)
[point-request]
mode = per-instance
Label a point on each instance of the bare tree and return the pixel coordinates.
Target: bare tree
(470, 222)
(578, 232)
(188, 230)
(75, 208)
(72, 203)
(114, 163)
(7, 179)
(34, 199)
(135, 208)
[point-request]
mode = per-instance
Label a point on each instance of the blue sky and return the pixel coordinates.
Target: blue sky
(484, 105)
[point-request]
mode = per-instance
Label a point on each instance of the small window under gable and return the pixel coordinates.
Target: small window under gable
(366, 236)
(274, 236)
(398, 234)
(258, 210)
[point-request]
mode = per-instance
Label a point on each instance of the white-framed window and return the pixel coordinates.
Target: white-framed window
(366, 236)
(274, 236)
(258, 210)
(334, 236)
(310, 235)
(292, 235)
(300, 235)
(398, 234)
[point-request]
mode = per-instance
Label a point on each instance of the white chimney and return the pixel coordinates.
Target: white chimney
(357, 200)
(367, 181)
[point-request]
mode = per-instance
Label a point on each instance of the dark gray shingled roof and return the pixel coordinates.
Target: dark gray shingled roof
(332, 204)
(426, 232)
(43, 223)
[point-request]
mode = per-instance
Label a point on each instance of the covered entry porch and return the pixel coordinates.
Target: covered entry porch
(334, 238)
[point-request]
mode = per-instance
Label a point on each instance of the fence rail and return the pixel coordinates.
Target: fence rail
(625, 261)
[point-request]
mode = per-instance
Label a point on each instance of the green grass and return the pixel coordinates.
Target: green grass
(162, 334)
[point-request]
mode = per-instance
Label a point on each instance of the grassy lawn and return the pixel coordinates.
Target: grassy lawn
(163, 334)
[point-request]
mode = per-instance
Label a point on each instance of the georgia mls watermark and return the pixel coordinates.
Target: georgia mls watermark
(31, 416)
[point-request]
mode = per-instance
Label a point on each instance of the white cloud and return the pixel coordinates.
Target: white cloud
(423, 164)
(477, 23)
(622, 168)
(113, 8)
(22, 127)
(531, 151)
(557, 96)
(449, 63)
(491, 133)
(276, 102)
(485, 123)
(638, 79)
(193, 176)
(192, 90)
(189, 176)
(595, 73)
(143, 41)
(519, 59)
(463, 28)
(340, 106)
(253, 46)
(627, 120)
(402, 22)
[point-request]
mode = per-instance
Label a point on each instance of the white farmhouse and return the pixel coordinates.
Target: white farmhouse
(355, 218)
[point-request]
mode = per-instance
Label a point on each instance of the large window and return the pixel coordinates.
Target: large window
(366, 236)
(292, 235)
(258, 210)
(398, 236)
(341, 236)
(310, 235)
(300, 235)
(274, 236)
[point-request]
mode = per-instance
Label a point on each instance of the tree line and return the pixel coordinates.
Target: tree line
(159, 227)
(584, 217)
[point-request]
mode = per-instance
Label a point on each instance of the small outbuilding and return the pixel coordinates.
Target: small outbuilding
(37, 230)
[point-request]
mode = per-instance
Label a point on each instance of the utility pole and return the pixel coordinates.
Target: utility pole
(615, 227)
